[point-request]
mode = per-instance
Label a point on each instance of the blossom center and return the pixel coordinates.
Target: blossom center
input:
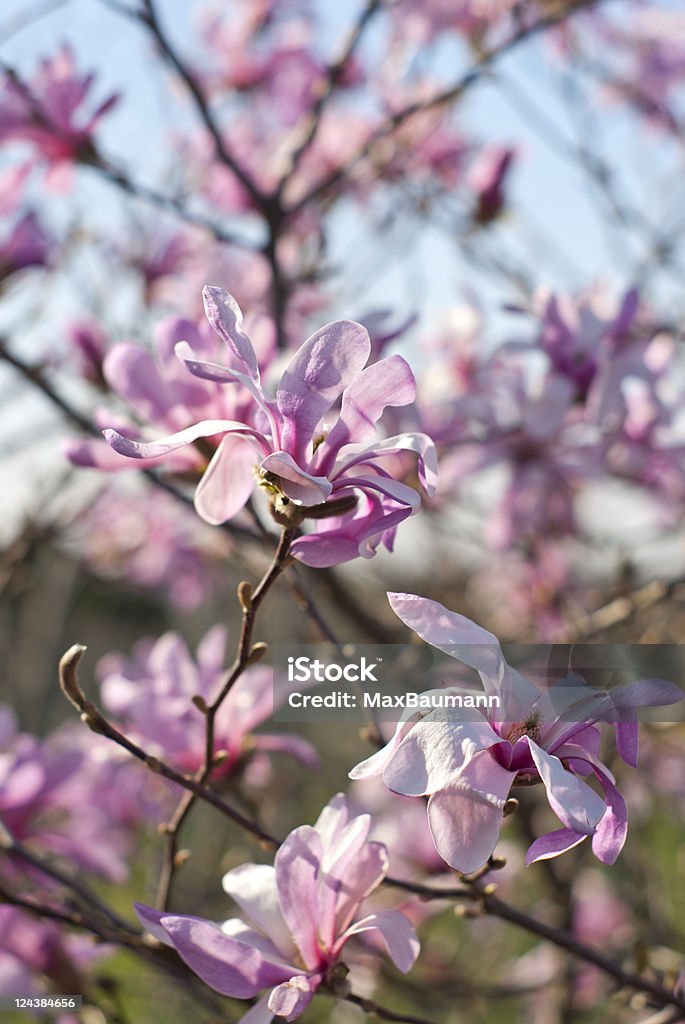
(530, 726)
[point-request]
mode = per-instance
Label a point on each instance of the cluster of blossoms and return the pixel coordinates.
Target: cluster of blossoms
(535, 733)
(332, 470)
(152, 694)
(535, 433)
(51, 799)
(300, 915)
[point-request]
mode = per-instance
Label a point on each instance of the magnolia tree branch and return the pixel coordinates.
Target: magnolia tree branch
(150, 19)
(488, 902)
(443, 98)
(246, 654)
(327, 89)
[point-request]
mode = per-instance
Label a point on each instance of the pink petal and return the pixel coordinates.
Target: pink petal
(577, 806)
(324, 366)
(552, 844)
(205, 428)
(398, 935)
(389, 382)
(224, 963)
(452, 633)
(297, 866)
(434, 753)
(227, 482)
(225, 316)
(466, 818)
(253, 887)
(293, 997)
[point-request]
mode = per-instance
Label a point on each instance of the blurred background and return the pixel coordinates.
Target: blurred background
(494, 188)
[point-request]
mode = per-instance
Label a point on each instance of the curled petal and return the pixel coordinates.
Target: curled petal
(225, 316)
(397, 934)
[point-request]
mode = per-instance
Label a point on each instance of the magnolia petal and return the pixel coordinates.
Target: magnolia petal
(452, 633)
(362, 876)
(434, 753)
(576, 805)
(253, 887)
(297, 866)
(205, 428)
(227, 482)
(552, 844)
(293, 997)
(320, 371)
(466, 818)
(611, 832)
(397, 934)
(226, 964)
(388, 382)
(226, 318)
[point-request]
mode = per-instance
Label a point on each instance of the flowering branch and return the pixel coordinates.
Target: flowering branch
(440, 99)
(96, 721)
(148, 17)
(246, 654)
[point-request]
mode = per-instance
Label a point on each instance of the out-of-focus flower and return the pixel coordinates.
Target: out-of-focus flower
(160, 391)
(179, 558)
(35, 953)
(152, 692)
(53, 801)
(301, 913)
(301, 458)
(27, 245)
(467, 763)
(487, 178)
(49, 114)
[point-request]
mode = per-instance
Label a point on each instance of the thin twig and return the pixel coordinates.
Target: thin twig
(440, 99)
(95, 720)
(245, 655)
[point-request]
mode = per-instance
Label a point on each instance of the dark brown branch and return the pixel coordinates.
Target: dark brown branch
(492, 904)
(148, 16)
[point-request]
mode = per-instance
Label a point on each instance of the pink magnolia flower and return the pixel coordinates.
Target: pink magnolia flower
(180, 560)
(467, 763)
(152, 694)
(49, 114)
(300, 914)
(293, 449)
